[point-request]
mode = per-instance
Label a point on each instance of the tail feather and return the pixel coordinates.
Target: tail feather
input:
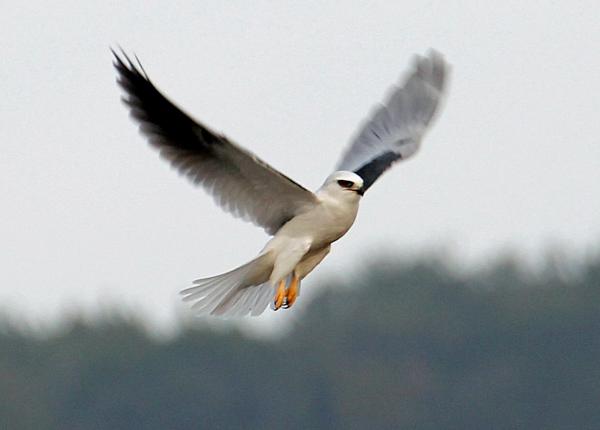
(250, 300)
(200, 289)
(247, 298)
(263, 298)
(238, 292)
(212, 298)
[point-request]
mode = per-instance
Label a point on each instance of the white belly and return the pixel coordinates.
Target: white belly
(323, 225)
(309, 233)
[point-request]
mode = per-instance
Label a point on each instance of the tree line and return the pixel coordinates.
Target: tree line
(414, 345)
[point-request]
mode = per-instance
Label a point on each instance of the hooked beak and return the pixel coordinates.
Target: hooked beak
(360, 191)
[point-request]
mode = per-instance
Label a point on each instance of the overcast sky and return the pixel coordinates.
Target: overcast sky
(89, 212)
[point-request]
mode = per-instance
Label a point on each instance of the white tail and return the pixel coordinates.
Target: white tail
(239, 292)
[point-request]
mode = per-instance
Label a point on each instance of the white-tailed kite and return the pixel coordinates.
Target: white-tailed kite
(303, 224)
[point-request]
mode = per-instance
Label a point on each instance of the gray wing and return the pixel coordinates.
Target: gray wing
(240, 182)
(395, 129)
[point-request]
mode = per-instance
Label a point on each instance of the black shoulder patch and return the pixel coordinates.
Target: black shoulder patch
(374, 168)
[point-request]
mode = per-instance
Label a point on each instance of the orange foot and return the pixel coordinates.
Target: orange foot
(280, 295)
(291, 292)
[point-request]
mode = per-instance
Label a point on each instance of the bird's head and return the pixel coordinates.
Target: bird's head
(344, 184)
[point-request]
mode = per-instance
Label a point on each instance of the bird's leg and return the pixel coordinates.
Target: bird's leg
(279, 295)
(292, 291)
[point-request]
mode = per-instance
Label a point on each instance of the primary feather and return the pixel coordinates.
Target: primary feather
(395, 129)
(238, 180)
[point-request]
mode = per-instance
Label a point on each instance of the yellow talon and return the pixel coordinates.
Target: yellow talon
(292, 292)
(279, 295)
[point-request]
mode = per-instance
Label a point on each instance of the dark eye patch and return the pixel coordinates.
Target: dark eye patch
(345, 184)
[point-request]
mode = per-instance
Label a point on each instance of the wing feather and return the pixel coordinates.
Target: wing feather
(395, 129)
(238, 180)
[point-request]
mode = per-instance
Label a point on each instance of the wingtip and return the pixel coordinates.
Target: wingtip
(435, 55)
(143, 71)
(113, 50)
(125, 66)
(118, 62)
(432, 68)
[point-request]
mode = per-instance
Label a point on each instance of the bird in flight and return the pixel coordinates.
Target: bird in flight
(303, 224)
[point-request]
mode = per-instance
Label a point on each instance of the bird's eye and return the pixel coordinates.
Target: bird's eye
(345, 184)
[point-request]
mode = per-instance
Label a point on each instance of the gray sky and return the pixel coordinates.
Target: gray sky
(89, 213)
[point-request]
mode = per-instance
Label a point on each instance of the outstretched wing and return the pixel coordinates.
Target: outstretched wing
(395, 129)
(239, 181)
